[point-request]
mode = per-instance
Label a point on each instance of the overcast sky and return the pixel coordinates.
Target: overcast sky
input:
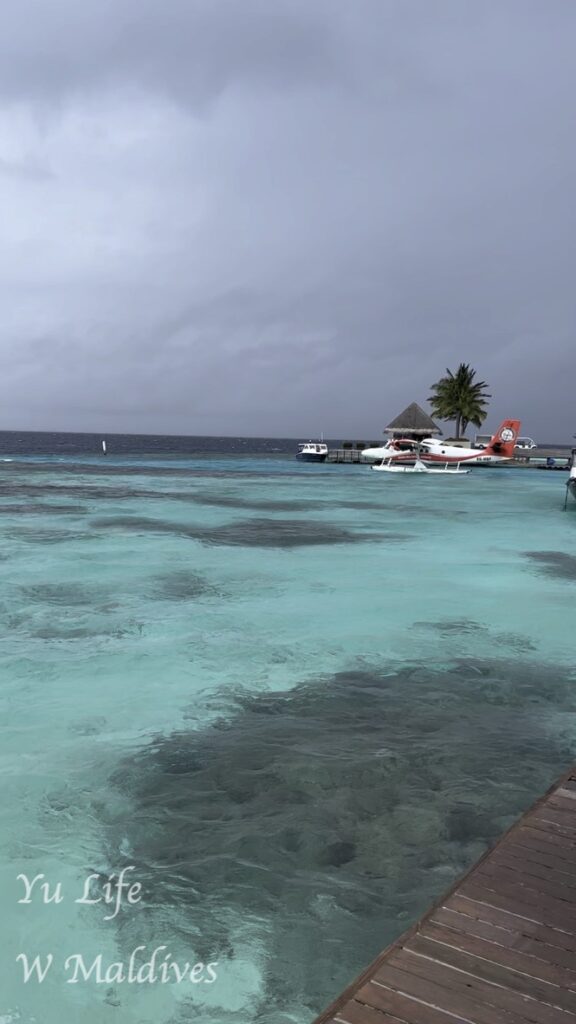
(281, 217)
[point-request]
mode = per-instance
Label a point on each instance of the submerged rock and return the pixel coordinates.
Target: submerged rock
(555, 563)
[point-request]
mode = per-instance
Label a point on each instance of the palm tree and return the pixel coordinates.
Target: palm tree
(458, 397)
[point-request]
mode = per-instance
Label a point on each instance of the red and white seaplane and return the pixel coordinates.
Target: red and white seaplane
(404, 454)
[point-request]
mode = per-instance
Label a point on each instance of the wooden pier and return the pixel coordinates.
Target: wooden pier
(498, 948)
(346, 455)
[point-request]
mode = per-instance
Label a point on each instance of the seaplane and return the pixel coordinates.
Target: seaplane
(421, 456)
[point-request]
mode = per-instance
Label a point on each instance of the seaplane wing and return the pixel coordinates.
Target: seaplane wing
(499, 449)
(398, 448)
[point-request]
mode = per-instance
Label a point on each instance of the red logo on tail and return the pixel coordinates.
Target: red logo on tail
(502, 443)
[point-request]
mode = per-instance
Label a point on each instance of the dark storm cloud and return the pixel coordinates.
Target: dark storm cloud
(191, 49)
(280, 217)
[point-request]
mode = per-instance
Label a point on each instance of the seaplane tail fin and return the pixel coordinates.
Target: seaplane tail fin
(502, 443)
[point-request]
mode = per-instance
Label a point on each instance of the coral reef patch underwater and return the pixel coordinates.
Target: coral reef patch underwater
(328, 816)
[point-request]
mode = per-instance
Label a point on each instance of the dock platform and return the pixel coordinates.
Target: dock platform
(346, 455)
(498, 948)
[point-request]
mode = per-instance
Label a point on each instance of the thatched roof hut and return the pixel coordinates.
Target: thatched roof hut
(413, 423)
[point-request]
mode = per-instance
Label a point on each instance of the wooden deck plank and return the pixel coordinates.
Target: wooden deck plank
(568, 786)
(438, 990)
(562, 800)
(491, 986)
(406, 1008)
(536, 860)
(399, 1007)
(481, 1002)
(552, 827)
(496, 973)
(543, 932)
(515, 881)
(527, 963)
(527, 906)
(503, 936)
(533, 875)
(533, 836)
(531, 824)
(498, 948)
(551, 812)
(359, 1013)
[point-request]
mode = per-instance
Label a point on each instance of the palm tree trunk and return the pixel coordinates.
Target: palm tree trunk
(458, 424)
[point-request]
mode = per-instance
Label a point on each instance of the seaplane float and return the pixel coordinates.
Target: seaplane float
(429, 455)
(390, 466)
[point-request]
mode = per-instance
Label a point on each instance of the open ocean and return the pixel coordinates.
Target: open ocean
(294, 701)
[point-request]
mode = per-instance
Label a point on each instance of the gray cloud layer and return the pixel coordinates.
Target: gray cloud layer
(280, 217)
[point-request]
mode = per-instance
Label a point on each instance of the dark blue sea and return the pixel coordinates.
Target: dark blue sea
(14, 442)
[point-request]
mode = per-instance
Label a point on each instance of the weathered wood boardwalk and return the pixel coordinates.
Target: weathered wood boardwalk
(499, 948)
(345, 455)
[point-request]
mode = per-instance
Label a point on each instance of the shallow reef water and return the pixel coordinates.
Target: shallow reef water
(327, 810)
(555, 563)
(255, 532)
(296, 701)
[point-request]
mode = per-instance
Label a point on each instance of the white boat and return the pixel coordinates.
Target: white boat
(312, 451)
(392, 466)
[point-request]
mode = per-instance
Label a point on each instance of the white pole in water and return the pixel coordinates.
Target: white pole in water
(571, 465)
(104, 447)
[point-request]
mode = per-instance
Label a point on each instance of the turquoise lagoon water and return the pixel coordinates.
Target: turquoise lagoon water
(295, 701)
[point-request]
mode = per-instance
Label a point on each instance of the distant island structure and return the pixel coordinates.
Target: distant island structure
(413, 423)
